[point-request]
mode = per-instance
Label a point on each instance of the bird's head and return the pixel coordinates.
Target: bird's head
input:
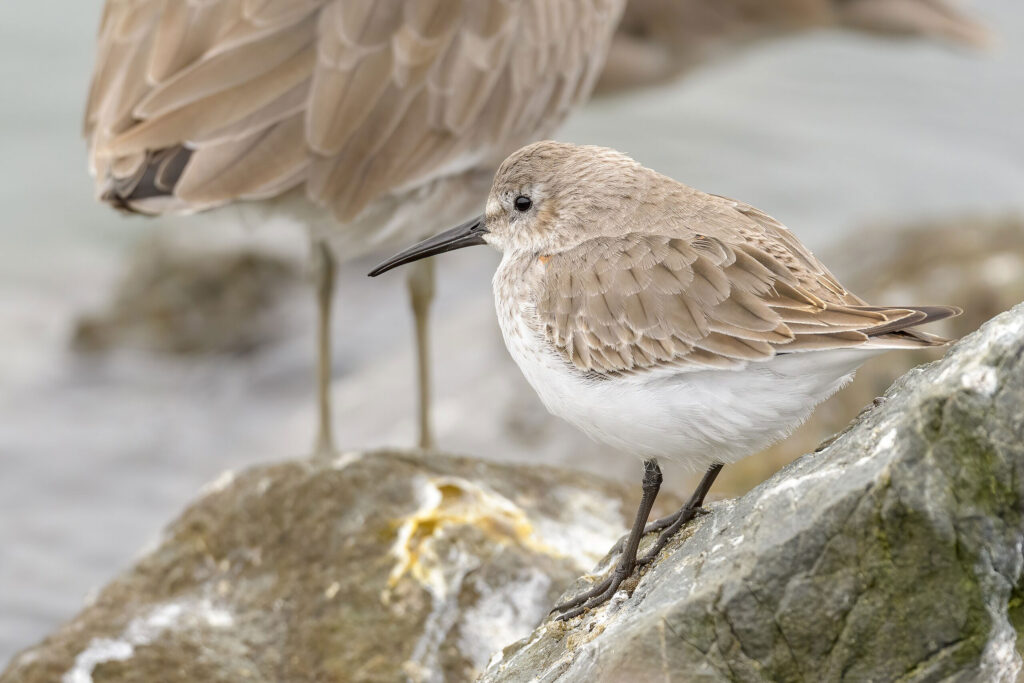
(550, 196)
(546, 198)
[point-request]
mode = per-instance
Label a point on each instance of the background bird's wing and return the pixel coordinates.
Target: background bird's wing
(197, 103)
(185, 89)
(727, 286)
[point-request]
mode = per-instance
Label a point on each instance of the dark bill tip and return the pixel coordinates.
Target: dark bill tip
(469, 234)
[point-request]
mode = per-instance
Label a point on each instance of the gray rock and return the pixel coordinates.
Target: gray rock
(376, 567)
(895, 553)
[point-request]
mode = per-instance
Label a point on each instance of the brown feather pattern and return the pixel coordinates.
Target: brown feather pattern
(742, 289)
(374, 97)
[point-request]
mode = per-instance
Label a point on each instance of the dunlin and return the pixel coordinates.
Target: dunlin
(658, 40)
(372, 121)
(664, 321)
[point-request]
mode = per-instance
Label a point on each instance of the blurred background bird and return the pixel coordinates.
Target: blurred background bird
(659, 40)
(369, 121)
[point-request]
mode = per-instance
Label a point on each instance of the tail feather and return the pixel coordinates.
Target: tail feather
(899, 332)
(151, 185)
(908, 316)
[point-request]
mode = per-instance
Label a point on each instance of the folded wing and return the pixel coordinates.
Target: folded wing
(729, 289)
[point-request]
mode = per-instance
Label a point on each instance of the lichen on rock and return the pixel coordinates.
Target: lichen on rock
(372, 567)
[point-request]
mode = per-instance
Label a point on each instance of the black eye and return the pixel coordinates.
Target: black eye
(523, 203)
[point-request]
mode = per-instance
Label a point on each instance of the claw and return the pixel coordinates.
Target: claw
(654, 527)
(582, 597)
(598, 595)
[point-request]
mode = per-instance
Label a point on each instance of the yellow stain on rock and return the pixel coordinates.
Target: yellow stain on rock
(450, 502)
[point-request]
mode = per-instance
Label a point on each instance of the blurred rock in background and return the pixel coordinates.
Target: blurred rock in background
(193, 301)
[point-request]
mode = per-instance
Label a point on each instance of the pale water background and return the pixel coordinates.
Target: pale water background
(827, 133)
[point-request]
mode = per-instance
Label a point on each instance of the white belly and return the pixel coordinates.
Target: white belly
(697, 418)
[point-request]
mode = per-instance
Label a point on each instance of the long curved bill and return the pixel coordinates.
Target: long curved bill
(469, 234)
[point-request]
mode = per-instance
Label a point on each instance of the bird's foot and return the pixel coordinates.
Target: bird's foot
(324, 448)
(627, 559)
(606, 588)
(657, 525)
(598, 595)
(685, 515)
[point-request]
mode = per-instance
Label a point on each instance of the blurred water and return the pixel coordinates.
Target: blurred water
(826, 133)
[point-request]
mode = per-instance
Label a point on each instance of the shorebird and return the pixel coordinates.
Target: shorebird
(659, 40)
(664, 321)
(371, 121)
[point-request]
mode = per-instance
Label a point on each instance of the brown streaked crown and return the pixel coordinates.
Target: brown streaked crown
(575, 190)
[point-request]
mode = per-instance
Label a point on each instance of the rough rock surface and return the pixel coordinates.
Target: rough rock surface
(895, 553)
(375, 567)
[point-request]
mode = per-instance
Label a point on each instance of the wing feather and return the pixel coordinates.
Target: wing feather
(223, 71)
(243, 167)
(466, 83)
(741, 290)
(392, 94)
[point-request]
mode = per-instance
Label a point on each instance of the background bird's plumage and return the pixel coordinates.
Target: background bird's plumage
(660, 40)
(196, 104)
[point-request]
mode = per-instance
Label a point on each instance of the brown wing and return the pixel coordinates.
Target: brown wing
(696, 300)
(201, 102)
(183, 90)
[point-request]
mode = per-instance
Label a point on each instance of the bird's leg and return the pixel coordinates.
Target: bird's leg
(627, 561)
(655, 526)
(685, 514)
(666, 521)
(421, 295)
(323, 278)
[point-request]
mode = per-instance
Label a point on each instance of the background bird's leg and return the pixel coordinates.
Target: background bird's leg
(421, 295)
(323, 278)
(627, 561)
(685, 514)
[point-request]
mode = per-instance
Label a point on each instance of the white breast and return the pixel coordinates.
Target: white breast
(697, 418)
